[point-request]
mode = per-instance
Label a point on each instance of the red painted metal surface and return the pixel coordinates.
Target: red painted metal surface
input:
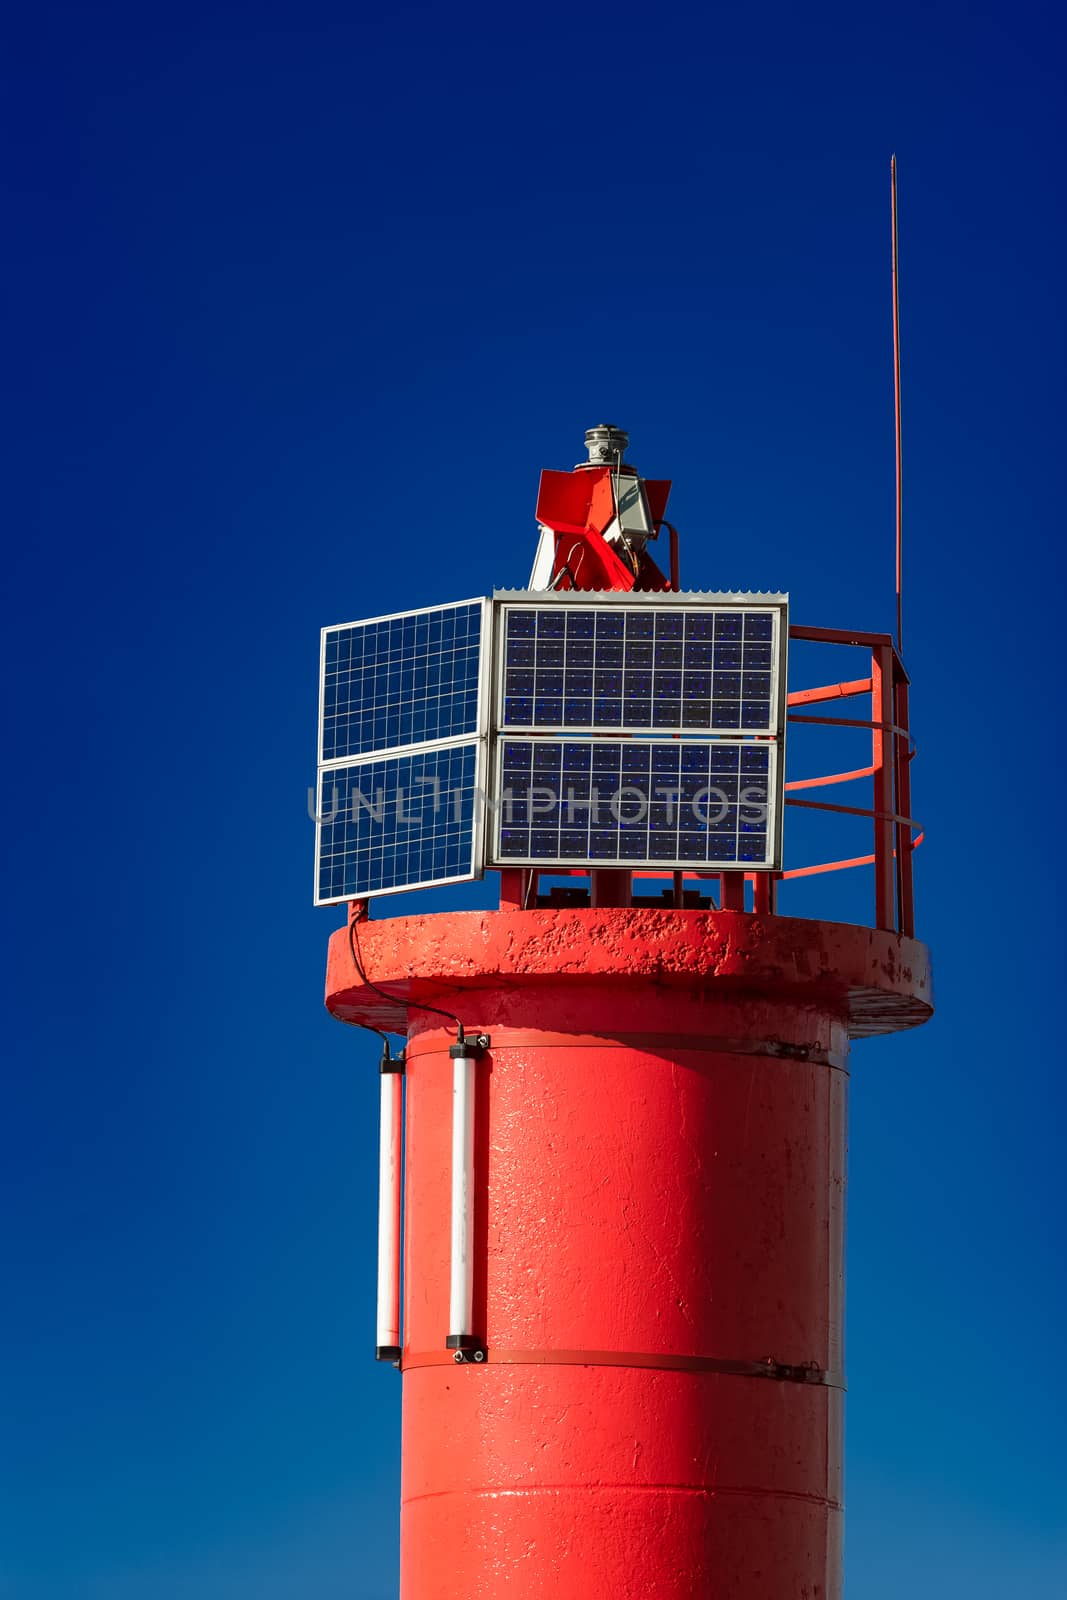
(764, 892)
(732, 891)
(829, 778)
(610, 888)
(659, 1204)
(896, 834)
(884, 763)
(579, 507)
(829, 691)
(905, 843)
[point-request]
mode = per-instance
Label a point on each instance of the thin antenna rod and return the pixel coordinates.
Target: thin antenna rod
(896, 391)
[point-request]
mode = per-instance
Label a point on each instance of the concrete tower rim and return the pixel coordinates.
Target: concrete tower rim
(878, 981)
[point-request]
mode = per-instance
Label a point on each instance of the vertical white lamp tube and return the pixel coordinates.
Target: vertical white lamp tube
(389, 1159)
(461, 1285)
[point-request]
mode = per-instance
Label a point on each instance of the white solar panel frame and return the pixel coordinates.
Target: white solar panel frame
(770, 863)
(478, 738)
(775, 604)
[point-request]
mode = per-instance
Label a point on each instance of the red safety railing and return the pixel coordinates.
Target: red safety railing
(892, 751)
(895, 835)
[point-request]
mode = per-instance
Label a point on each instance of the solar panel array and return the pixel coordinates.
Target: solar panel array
(639, 669)
(626, 731)
(400, 752)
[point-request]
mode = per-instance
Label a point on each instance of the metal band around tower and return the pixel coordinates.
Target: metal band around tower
(655, 1043)
(776, 1371)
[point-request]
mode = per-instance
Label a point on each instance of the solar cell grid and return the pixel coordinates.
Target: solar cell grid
(702, 669)
(400, 822)
(401, 680)
(598, 801)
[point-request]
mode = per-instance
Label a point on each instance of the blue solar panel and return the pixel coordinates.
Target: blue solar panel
(398, 822)
(401, 681)
(601, 802)
(703, 669)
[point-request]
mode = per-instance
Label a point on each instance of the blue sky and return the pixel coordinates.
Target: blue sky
(299, 302)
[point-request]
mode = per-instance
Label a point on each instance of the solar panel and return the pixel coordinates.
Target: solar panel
(401, 752)
(399, 681)
(704, 668)
(401, 821)
(701, 804)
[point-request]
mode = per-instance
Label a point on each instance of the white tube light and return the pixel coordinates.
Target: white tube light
(461, 1282)
(389, 1171)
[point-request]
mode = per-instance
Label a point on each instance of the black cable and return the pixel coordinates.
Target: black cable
(384, 1037)
(395, 999)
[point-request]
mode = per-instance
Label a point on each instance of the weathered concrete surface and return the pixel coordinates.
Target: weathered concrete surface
(882, 979)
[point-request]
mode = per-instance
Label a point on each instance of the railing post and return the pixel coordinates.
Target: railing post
(764, 893)
(513, 884)
(609, 888)
(883, 745)
(732, 891)
(905, 885)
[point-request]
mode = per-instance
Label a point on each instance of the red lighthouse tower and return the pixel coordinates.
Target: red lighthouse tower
(624, 1099)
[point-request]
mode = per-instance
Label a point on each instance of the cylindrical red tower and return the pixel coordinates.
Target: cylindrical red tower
(625, 1123)
(660, 1134)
